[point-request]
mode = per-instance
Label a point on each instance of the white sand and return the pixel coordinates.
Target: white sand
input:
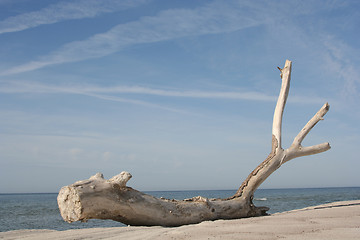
(339, 220)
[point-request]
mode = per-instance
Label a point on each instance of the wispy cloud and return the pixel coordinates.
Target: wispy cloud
(332, 55)
(339, 59)
(132, 101)
(111, 93)
(215, 17)
(65, 10)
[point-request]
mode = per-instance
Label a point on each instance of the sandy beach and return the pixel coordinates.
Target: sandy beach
(338, 220)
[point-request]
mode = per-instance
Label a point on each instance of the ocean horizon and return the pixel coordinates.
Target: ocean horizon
(187, 190)
(40, 210)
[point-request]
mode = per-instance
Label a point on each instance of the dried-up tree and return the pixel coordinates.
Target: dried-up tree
(112, 199)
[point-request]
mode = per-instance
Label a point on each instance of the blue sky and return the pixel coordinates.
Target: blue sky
(179, 93)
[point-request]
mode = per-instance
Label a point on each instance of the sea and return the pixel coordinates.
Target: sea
(40, 210)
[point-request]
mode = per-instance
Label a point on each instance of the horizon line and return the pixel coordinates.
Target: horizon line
(198, 190)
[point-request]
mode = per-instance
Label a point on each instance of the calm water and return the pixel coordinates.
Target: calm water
(40, 211)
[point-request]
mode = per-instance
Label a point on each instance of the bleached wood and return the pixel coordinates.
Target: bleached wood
(112, 199)
(296, 149)
(313, 121)
(103, 199)
(285, 74)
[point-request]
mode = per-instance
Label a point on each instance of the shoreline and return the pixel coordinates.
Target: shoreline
(337, 220)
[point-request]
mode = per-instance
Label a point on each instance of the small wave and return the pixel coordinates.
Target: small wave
(260, 199)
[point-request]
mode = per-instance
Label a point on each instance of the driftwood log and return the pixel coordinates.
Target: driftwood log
(112, 199)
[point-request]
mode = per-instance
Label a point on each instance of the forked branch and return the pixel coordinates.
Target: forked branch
(112, 199)
(296, 149)
(278, 155)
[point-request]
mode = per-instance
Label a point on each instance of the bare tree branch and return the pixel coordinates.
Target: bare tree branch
(99, 198)
(313, 121)
(280, 105)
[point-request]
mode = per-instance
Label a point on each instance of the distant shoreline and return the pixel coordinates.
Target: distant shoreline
(337, 220)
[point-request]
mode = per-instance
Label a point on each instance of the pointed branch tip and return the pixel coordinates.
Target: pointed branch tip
(327, 106)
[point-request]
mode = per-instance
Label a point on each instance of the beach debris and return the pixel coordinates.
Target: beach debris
(99, 198)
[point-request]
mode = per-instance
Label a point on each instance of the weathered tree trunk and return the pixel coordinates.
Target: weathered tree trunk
(112, 199)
